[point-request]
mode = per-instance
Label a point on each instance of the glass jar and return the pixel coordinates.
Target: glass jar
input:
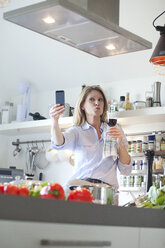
(133, 147)
(151, 140)
(138, 146)
(121, 105)
(129, 146)
(162, 144)
(110, 144)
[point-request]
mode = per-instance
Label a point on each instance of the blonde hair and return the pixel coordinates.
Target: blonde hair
(79, 115)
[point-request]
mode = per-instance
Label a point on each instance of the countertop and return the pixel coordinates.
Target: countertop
(60, 211)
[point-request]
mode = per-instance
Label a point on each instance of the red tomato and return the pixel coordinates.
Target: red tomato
(1, 188)
(11, 189)
(80, 195)
(23, 191)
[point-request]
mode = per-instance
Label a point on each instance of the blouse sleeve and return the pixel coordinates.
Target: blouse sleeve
(70, 139)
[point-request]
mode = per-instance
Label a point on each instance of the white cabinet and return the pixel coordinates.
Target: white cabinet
(152, 237)
(17, 234)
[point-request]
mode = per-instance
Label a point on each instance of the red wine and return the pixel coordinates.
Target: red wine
(112, 122)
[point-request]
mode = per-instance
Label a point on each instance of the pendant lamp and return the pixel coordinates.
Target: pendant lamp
(158, 56)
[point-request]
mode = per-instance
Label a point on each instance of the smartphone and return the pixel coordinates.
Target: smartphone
(60, 97)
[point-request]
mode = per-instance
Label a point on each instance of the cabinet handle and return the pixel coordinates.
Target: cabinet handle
(74, 243)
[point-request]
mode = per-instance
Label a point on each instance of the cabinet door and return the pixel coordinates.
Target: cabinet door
(28, 234)
(152, 237)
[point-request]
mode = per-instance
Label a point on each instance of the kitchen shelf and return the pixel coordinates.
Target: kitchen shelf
(40, 126)
(132, 189)
(125, 119)
(160, 153)
(137, 172)
(140, 116)
(140, 154)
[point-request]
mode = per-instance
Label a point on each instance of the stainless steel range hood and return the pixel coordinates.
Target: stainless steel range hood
(89, 25)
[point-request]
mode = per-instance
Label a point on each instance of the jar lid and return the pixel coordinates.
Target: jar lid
(122, 98)
(151, 137)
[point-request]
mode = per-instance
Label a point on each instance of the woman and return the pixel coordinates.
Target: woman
(86, 139)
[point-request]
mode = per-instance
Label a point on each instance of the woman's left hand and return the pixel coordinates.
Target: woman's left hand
(115, 132)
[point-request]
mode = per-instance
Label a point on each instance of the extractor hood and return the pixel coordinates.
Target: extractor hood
(88, 25)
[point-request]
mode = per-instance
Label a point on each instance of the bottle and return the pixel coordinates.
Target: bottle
(121, 105)
(113, 106)
(127, 102)
(158, 138)
(162, 143)
(110, 144)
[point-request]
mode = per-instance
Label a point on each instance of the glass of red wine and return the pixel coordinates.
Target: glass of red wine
(112, 122)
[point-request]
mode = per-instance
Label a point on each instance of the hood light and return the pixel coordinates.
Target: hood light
(110, 47)
(49, 20)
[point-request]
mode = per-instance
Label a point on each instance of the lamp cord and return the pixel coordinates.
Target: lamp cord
(157, 18)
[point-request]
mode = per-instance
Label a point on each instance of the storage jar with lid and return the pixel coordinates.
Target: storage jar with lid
(151, 139)
(133, 146)
(121, 105)
(139, 146)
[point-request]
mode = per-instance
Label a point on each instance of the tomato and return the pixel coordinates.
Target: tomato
(11, 189)
(53, 191)
(80, 195)
(1, 188)
(23, 191)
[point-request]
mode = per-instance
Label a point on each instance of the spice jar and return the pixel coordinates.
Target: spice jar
(139, 146)
(129, 146)
(133, 147)
(151, 139)
(144, 144)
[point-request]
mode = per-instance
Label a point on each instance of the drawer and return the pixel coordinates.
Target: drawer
(31, 234)
(152, 237)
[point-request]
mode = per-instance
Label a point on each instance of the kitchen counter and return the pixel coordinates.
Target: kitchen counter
(59, 211)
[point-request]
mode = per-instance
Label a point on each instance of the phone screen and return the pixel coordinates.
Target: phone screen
(60, 97)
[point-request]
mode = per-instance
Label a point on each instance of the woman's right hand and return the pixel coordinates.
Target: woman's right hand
(56, 111)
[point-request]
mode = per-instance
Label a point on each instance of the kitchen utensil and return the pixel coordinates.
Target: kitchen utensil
(34, 151)
(156, 97)
(30, 156)
(102, 193)
(17, 149)
(149, 98)
(40, 159)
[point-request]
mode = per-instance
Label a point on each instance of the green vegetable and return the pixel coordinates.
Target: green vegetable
(156, 198)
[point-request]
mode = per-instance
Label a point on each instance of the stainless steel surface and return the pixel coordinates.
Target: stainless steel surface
(18, 142)
(10, 174)
(30, 157)
(74, 243)
(92, 27)
(157, 91)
